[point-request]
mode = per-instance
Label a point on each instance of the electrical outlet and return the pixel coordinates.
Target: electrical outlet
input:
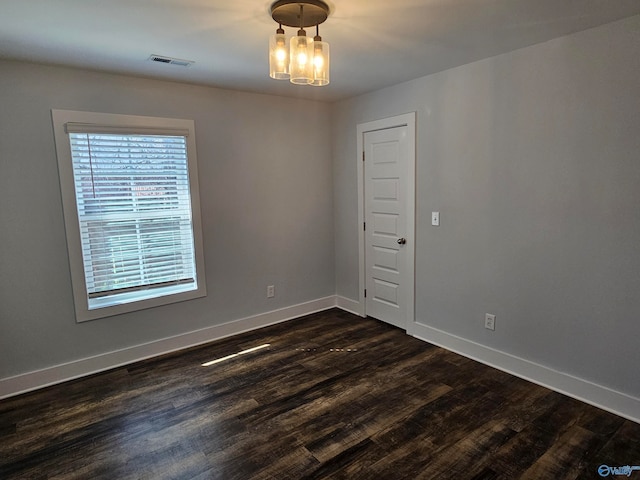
(489, 321)
(271, 291)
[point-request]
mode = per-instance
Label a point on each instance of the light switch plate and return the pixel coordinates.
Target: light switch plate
(435, 218)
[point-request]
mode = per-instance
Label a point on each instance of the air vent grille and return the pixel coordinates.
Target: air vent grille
(171, 61)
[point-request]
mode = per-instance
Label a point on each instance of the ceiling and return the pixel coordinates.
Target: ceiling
(374, 43)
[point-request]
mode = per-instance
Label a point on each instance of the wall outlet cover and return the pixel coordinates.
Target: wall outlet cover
(489, 321)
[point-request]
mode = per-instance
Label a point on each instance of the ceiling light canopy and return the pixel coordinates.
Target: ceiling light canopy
(300, 60)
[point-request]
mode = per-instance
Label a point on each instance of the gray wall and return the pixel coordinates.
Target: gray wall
(533, 160)
(266, 198)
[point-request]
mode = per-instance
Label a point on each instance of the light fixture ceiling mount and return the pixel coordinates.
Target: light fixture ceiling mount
(300, 60)
(287, 12)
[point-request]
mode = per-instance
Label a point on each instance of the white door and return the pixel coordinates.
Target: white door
(388, 229)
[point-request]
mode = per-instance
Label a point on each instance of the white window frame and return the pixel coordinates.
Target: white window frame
(132, 124)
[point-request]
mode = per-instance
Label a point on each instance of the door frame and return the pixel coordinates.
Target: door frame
(408, 120)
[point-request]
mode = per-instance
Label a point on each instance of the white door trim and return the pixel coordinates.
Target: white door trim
(408, 120)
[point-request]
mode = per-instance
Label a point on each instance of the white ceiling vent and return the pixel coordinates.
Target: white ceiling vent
(171, 61)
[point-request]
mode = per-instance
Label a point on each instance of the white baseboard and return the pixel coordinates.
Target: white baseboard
(602, 397)
(79, 368)
(348, 305)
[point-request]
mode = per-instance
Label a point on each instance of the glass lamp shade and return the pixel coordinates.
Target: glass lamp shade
(278, 57)
(301, 66)
(320, 63)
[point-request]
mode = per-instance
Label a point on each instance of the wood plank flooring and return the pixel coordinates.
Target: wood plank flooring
(333, 396)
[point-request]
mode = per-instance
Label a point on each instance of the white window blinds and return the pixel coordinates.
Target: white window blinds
(134, 213)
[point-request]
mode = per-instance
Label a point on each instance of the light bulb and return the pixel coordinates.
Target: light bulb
(279, 56)
(320, 62)
(301, 68)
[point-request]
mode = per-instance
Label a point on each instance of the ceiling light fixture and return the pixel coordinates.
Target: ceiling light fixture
(301, 61)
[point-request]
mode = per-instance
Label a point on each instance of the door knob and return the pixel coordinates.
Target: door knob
(402, 241)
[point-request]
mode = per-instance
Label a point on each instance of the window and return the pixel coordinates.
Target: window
(131, 206)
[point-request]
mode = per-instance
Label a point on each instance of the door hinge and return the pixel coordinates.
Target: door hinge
(363, 155)
(365, 293)
(364, 226)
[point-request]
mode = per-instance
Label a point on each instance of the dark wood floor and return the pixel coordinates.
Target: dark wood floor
(333, 396)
